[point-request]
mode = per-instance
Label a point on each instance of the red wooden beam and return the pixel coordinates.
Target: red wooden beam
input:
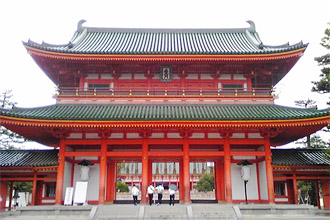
(302, 177)
(208, 154)
(167, 154)
(82, 154)
(248, 153)
(123, 154)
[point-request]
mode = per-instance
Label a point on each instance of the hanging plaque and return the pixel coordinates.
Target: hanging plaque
(166, 73)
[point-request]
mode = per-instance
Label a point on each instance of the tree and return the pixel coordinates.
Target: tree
(206, 183)
(309, 103)
(323, 85)
(7, 137)
(122, 187)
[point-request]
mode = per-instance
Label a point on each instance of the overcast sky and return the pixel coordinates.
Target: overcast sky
(277, 22)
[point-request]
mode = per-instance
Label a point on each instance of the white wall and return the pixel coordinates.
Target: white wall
(263, 181)
(67, 176)
(93, 183)
(238, 183)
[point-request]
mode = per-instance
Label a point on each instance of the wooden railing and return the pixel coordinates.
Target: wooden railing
(162, 92)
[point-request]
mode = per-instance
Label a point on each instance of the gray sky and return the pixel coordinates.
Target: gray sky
(277, 22)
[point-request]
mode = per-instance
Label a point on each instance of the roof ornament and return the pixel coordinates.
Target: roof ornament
(79, 26)
(252, 26)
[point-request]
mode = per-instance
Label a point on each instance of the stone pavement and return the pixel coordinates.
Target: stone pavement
(164, 211)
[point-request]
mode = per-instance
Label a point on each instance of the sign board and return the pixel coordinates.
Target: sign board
(68, 196)
(80, 193)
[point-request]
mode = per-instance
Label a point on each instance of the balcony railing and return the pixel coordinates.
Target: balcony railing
(162, 92)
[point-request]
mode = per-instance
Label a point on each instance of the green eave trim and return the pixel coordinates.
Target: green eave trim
(155, 112)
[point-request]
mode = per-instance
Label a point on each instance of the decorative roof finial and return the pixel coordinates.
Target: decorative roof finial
(252, 25)
(80, 27)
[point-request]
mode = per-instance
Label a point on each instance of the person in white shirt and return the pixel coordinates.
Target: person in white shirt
(135, 193)
(160, 190)
(151, 190)
(172, 195)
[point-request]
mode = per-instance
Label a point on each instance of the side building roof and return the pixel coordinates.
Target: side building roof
(126, 41)
(28, 158)
(300, 157)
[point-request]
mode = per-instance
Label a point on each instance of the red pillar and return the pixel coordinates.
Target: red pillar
(227, 170)
(11, 194)
(186, 171)
(145, 172)
(326, 194)
(3, 194)
(181, 182)
(317, 194)
(150, 172)
(34, 189)
(217, 174)
(111, 181)
(60, 173)
(103, 171)
(295, 189)
(269, 171)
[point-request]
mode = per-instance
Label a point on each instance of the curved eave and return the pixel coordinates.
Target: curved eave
(115, 124)
(165, 57)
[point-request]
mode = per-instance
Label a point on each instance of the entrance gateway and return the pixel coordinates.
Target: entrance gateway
(167, 95)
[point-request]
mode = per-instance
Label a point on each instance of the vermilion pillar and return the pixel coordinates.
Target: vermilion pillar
(111, 181)
(181, 182)
(326, 194)
(227, 170)
(217, 174)
(145, 164)
(103, 171)
(186, 171)
(11, 194)
(3, 193)
(60, 173)
(269, 171)
(34, 189)
(295, 189)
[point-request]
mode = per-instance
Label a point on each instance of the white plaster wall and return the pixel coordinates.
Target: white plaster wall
(281, 199)
(263, 181)
(93, 183)
(238, 183)
(67, 176)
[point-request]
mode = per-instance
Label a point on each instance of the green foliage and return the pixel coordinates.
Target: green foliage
(122, 187)
(7, 137)
(323, 85)
(206, 183)
(23, 186)
(314, 142)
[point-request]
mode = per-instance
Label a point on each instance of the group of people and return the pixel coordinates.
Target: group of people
(150, 193)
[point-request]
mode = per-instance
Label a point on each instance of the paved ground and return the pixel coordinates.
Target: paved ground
(164, 211)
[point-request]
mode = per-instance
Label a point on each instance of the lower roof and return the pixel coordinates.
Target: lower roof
(43, 158)
(158, 112)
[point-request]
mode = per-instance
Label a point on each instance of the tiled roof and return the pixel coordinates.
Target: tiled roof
(300, 157)
(28, 158)
(196, 112)
(87, 40)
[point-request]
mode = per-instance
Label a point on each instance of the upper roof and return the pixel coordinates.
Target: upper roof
(145, 112)
(300, 157)
(28, 158)
(90, 40)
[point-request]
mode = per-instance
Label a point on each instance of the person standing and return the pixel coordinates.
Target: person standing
(135, 193)
(151, 190)
(160, 190)
(172, 188)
